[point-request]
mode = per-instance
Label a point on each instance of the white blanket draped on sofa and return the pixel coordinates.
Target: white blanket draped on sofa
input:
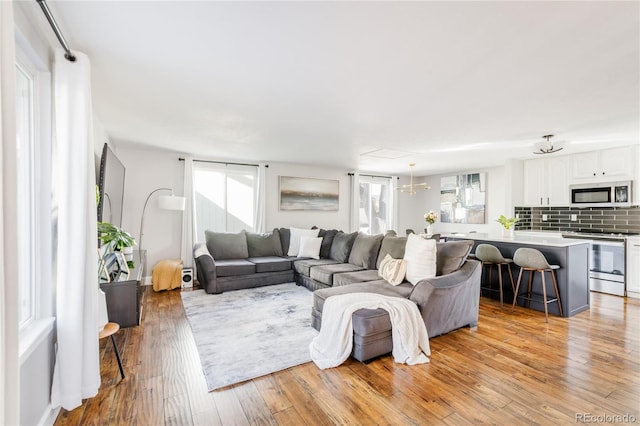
(334, 343)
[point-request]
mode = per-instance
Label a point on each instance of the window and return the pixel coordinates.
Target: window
(224, 197)
(376, 204)
(26, 186)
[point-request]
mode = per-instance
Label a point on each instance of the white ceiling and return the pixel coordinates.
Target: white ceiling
(451, 85)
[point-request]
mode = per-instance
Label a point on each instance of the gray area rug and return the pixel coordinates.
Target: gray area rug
(246, 334)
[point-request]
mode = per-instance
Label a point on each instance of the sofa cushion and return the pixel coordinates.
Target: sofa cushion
(232, 267)
(347, 278)
(327, 239)
(264, 244)
(341, 246)
(310, 247)
(378, 287)
(324, 273)
(393, 246)
(303, 267)
(393, 270)
(451, 255)
(294, 241)
(226, 245)
(270, 263)
(365, 250)
(420, 255)
(285, 237)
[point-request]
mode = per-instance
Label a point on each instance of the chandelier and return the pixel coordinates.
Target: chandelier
(547, 147)
(412, 188)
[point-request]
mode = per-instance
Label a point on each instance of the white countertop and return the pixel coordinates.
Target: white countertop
(523, 238)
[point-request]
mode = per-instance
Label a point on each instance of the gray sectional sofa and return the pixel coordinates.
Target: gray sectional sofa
(347, 263)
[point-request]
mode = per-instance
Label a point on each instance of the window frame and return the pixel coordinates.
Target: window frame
(391, 199)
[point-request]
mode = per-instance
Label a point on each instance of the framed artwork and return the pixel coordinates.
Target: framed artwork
(103, 273)
(123, 268)
(463, 198)
(298, 193)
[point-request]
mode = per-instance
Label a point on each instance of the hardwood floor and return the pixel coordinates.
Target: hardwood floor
(512, 369)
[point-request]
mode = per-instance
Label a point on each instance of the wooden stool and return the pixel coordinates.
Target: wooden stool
(490, 255)
(110, 329)
(533, 260)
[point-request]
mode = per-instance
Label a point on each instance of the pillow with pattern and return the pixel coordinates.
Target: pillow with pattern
(392, 270)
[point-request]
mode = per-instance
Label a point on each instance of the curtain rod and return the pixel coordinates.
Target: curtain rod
(226, 163)
(378, 176)
(45, 9)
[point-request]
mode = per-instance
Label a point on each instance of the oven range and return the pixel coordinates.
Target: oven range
(607, 262)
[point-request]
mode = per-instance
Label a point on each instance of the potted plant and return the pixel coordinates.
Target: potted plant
(508, 224)
(116, 239)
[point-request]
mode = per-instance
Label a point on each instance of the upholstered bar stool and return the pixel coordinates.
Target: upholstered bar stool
(533, 260)
(490, 255)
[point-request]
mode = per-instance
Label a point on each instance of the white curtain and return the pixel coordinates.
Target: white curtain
(259, 220)
(9, 364)
(354, 220)
(394, 204)
(188, 222)
(77, 368)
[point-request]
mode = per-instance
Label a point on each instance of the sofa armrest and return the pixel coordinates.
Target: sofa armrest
(206, 268)
(450, 301)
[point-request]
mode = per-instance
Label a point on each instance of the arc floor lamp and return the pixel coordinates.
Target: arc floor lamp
(165, 202)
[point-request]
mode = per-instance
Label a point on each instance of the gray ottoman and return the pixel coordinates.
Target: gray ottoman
(371, 334)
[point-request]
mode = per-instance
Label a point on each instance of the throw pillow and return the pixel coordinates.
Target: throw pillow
(264, 244)
(392, 245)
(296, 234)
(452, 255)
(341, 246)
(392, 270)
(310, 247)
(327, 239)
(420, 255)
(365, 250)
(224, 245)
(285, 237)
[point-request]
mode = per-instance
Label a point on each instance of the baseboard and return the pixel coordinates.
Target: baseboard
(50, 415)
(146, 280)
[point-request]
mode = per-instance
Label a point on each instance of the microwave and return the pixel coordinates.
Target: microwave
(609, 194)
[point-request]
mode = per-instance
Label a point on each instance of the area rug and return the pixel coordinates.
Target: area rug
(246, 334)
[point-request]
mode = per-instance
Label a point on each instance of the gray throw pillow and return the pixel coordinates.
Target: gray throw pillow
(327, 240)
(224, 245)
(264, 244)
(341, 246)
(392, 246)
(285, 239)
(450, 256)
(365, 250)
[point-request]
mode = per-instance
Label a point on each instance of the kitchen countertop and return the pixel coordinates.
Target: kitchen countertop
(522, 238)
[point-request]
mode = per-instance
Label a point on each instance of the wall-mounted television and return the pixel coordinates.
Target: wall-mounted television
(111, 187)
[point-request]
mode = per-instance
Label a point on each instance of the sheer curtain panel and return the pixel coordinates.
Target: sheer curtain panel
(77, 369)
(188, 229)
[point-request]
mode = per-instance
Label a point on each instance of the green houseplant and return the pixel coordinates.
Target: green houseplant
(114, 237)
(508, 224)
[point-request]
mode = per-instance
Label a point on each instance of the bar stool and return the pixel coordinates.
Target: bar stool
(110, 329)
(533, 260)
(490, 255)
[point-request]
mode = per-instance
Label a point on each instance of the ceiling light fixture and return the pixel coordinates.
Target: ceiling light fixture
(547, 147)
(412, 188)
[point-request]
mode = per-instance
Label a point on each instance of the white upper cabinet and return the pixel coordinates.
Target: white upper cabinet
(602, 166)
(546, 182)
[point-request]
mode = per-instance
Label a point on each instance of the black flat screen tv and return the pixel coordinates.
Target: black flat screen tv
(111, 187)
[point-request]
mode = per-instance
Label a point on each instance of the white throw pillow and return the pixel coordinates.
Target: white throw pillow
(392, 270)
(310, 247)
(294, 241)
(420, 255)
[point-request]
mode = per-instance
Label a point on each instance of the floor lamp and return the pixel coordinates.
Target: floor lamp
(165, 202)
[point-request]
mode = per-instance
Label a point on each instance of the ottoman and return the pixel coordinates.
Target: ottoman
(371, 334)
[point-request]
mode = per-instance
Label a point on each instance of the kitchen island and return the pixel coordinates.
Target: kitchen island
(572, 255)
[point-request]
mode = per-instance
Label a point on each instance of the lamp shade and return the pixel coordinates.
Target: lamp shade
(171, 202)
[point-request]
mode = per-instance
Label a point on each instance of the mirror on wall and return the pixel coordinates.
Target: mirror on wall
(463, 198)
(111, 187)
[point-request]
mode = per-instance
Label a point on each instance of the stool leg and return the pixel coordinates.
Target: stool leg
(555, 287)
(511, 278)
(500, 282)
(544, 296)
(115, 348)
(529, 289)
(515, 293)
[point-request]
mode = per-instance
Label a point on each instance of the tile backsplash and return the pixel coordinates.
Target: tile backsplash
(612, 219)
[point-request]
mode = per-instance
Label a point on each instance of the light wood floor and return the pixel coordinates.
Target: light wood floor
(512, 369)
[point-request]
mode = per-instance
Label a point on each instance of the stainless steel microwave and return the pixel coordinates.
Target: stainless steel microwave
(609, 194)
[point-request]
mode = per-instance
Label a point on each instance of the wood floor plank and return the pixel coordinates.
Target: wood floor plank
(512, 369)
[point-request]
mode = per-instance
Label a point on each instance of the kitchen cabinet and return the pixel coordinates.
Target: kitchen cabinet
(605, 165)
(632, 274)
(546, 182)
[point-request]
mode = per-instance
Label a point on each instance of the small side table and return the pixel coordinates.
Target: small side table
(110, 329)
